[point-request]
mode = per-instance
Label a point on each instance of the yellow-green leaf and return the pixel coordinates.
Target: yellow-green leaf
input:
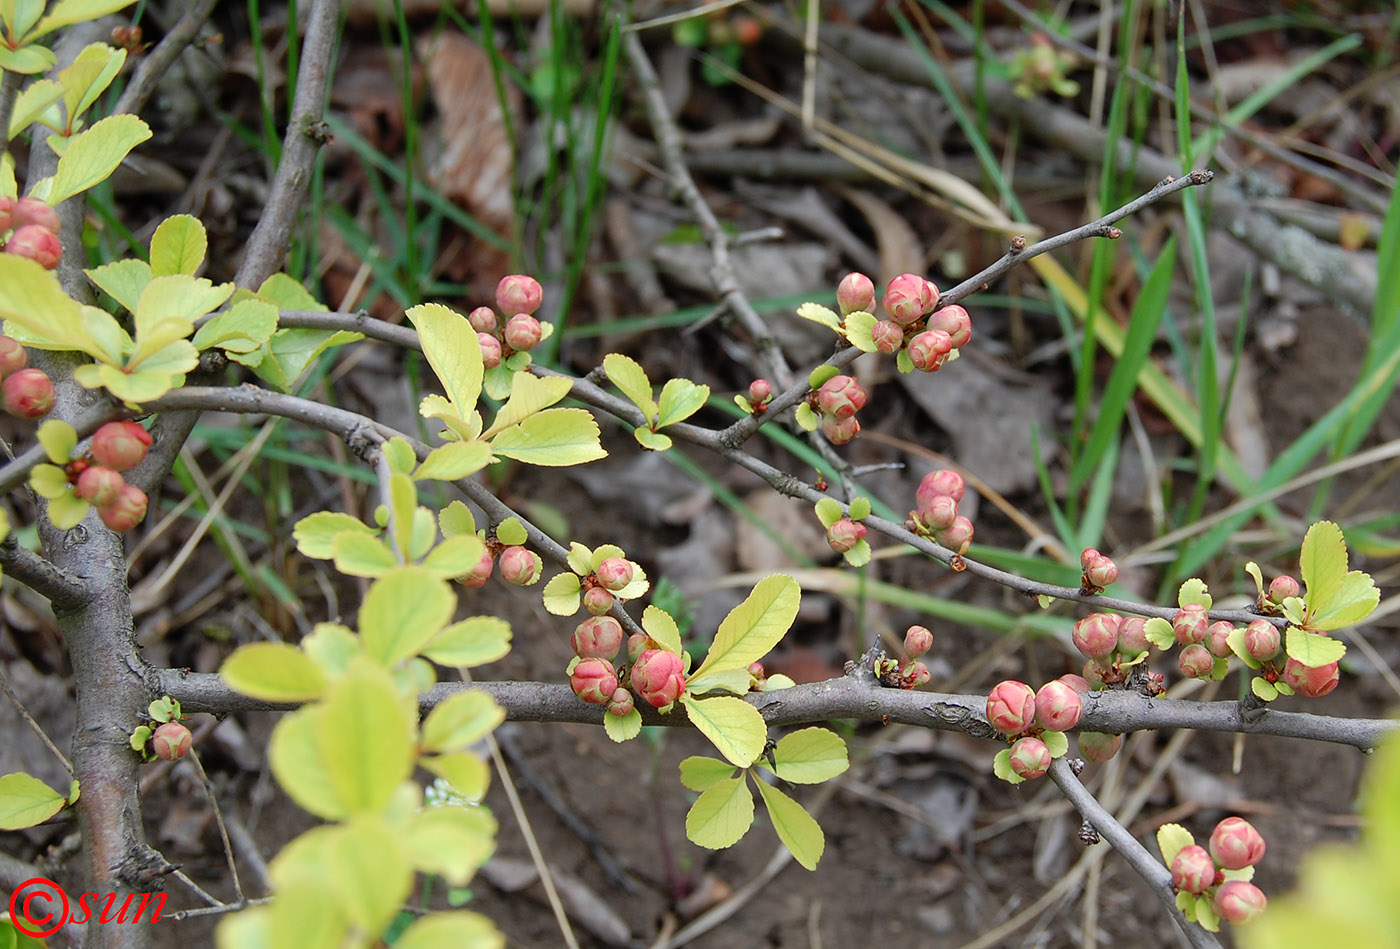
(66, 510)
(734, 727)
(797, 829)
(651, 441)
(454, 930)
(178, 246)
(369, 872)
(90, 73)
(67, 12)
(402, 612)
(460, 720)
(362, 555)
(468, 774)
(454, 460)
(554, 438)
(107, 341)
(755, 626)
(623, 728)
(1312, 649)
(453, 351)
(93, 154)
(808, 756)
(1323, 564)
(820, 314)
(331, 646)
(242, 328)
(829, 511)
(294, 755)
(680, 399)
(456, 519)
(399, 455)
(290, 351)
(662, 628)
(35, 308)
(470, 643)
(58, 439)
(625, 373)
(315, 533)
(455, 556)
(273, 672)
(49, 481)
(511, 532)
(721, 815)
(858, 331)
(452, 842)
(1194, 591)
(26, 801)
(1262, 688)
(26, 60)
(561, 594)
(32, 104)
(123, 280)
(403, 499)
(700, 772)
(366, 737)
(136, 387)
(528, 394)
(1170, 839)
(859, 555)
(580, 559)
(737, 681)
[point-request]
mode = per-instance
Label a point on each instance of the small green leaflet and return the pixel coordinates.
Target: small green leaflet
(680, 399)
(273, 672)
(820, 314)
(26, 801)
(1056, 743)
(1312, 649)
(721, 815)
(470, 642)
(1335, 598)
(628, 375)
(553, 438)
(733, 726)
(1263, 689)
(459, 721)
(662, 628)
(858, 331)
(807, 756)
(755, 626)
(797, 829)
(1001, 767)
(1170, 839)
(623, 728)
(1194, 591)
(700, 773)
(178, 246)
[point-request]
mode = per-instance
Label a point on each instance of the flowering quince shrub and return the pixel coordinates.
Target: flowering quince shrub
(367, 710)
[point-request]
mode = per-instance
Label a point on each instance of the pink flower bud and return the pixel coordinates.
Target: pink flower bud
(522, 332)
(614, 573)
(839, 431)
(490, 350)
(957, 537)
(1262, 640)
(1057, 706)
(1195, 661)
(13, 358)
(477, 577)
(7, 213)
(120, 446)
(1282, 587)
(1311, 681)
(128, 510)
(1238, 902)
(98, 486)
(597, 637)
(1011, 707)
(1099, 571)
(1217, 639)
(844, 534)
(855, 293)
(1030, 758)
(520, 567)
(38, 244)
(928, 296)
(518, 293)
(637, 644)
(1235, 844)
(1190, 624)
(840, 397)
(1096, 635)
(760, 392)
(597, 600)
(1076, 682)
(1132, 636)
(621, 704)
(918, 640)
(35, 212)
(888, 336)
(929, 350)
(916, 674)
(1193, 871)
(657, 677)
(483, 320)
(171, 740)
(28, 394)
(939, 514)
(756, 671)
(954, 321)
(944, 481)
(904, 298)
(594, 680)
(1099, 747)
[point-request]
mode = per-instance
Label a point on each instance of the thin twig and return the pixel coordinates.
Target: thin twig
(219, 822)
(33, 725)
(159, 59)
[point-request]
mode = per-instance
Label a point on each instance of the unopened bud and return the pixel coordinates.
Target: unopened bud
(944, 481)
(520, 567)
(855, 293)
(1262, 640)
(519, 293)
(1011, 707)
(1195, 661)
(128, 510)
(597, 600)
(171, 740)
(1282, 587)
(1193, 871)
(120, 446)
(35, 212)
(954, 321)
(522, 332)
(1099, 570)
(621, 704)
(1190, 624)
(958, 537)
(597, 637)
(1311, 681)
(1239, 902)
(929, 350)
(13, 358)
(844, 534)
(1096, 635)
(98, 486)
(1235, 844)
(28, 394)
(483, 320)
(1099, 747)
(939, 513)
(1030, 758)
(490, 350)
(1218, 639)
(888, 336)
(840, 397)
(918, 640)
(1132, 636)
(614, 573)
(904, 298)
(839, 431)
(39, 244)
(760, 392)
(477, 577)
(657, 677)
(594, 680)
(1057, 706)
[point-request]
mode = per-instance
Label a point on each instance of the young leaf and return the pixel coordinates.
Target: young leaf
(859, 509)
(402, 611)
(859, 555)
(294, 755)
(456, 519)
(453, 351)
(680, 399)
(178, 246)
(366, 737)
(806, 417)
(1001, 767)
(470, 642)
(1263, 689)
(1323, 564)
(661, 627)
(58, 439)
(808, 756)
(459, 721)
(452, 842)
(1159, 633)
(721, 815)
(625, 728)
(362, 554)
(93, 154)
(821, 374)
(455, 556)
(829, 511)
(1312, 649)
(1170, 839)
(755, 626)
(905, 365)
(468, 774)
(554, 437)
(66, 510)
(1355, 599)
(797, 829)
(820, 314)
(369, 871)
(1252, 569)
(1236, 642)
(273, 672)
(625, 373)
(528, 394)
(511, 532)
(331, 646)
(1056, 742)
(1194, 591)
(733, 726)
(651, 441)
(454, 460)
(459, 928)
(858, 331)
(736, 681)
(243, 328)
(26, 801)
(561, 594)
(699, 773)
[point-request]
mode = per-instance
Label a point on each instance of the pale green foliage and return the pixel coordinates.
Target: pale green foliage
(752, 628)
(680, 399)
(26, 801)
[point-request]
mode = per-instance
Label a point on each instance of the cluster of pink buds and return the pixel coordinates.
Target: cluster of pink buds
(1264, 644)
(914, 323)
(1202, 642)
(34, 225)
(519, 566)
(1220, 876)
(1099, 571)
(1112, 644)
(26, 393)
(1034, 721)
(518, 296)
(1280, 589)
(837, 401)
(936, 510)
(759, 395)
(910, 672)
(655, 674)
(96, 476)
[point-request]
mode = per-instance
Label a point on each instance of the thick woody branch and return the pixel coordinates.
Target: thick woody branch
(61, 588)
(849, 697)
